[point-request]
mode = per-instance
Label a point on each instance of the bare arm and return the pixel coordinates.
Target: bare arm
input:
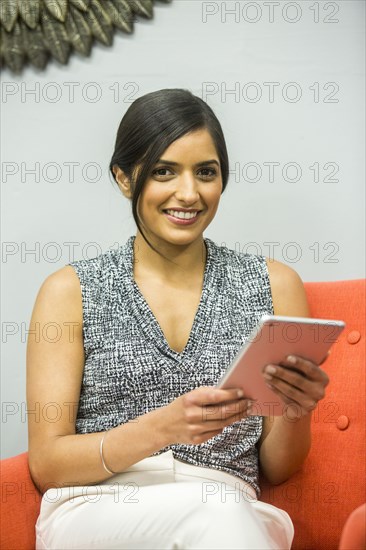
(286, 440)
(60, 457)
(57, 455)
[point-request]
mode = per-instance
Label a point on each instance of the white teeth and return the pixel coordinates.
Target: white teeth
(182, 215)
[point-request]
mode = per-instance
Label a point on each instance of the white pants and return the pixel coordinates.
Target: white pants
(162, 503)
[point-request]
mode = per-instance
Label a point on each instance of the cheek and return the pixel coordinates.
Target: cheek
(149, 200)
(213, 195)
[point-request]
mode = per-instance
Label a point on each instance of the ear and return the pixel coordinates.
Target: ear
(123, 182)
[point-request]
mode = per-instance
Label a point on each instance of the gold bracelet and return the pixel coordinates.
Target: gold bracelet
(102, 459)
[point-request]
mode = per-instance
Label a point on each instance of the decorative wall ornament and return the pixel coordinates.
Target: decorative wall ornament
(35, 30)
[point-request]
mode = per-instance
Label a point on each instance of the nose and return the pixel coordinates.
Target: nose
(187, 188)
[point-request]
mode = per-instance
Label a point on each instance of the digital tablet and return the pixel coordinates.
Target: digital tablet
(274, 338)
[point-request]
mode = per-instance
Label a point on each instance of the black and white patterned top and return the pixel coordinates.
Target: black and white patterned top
(130, 368)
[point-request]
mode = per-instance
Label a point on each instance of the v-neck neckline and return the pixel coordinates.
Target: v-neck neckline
(146, 317)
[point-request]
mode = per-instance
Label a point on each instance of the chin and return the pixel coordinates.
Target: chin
(180, 240)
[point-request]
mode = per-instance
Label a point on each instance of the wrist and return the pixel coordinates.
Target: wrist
(159, 425)
(295, 414)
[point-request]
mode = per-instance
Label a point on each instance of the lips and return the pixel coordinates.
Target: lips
(181, 210)
(182, 221)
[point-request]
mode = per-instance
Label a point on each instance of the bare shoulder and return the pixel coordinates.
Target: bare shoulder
(287, 288)
(64, 278)
(282, 274)
(63, 287)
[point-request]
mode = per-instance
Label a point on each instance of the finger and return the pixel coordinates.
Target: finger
(221, 423)
(210, 394)
(304, 366)
(300, 407)
(291, 394)
(219, 411)
(314, 389)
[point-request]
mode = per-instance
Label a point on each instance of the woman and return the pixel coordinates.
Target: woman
(135, 447)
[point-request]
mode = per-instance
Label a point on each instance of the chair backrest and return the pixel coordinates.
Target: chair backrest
(331, 482)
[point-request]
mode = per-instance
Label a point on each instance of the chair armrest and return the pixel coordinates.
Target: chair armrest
(20, 504)
(354, 531)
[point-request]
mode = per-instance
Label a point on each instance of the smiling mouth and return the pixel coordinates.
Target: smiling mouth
(182, 215)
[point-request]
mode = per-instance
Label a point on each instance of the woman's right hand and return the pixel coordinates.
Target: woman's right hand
(202, 413)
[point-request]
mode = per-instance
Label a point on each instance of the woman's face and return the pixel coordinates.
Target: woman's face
(187, 176)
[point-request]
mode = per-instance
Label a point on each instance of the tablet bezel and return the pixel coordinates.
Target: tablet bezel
(246, 369)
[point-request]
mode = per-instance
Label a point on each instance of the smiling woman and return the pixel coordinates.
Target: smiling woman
(184, 192)
(157, 322)
(185, 129)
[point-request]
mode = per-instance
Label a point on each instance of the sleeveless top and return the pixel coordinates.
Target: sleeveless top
(130, 368)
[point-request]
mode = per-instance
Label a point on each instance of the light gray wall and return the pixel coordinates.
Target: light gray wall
(313, 62)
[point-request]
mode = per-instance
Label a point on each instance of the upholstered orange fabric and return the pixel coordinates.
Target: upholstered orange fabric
(331, 483)
(20, 504)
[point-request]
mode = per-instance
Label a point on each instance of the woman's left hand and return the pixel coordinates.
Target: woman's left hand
(299, 382)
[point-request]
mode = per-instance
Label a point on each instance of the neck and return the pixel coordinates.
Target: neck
(185, 261)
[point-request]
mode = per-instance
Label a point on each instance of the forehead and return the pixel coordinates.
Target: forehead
(195, 144)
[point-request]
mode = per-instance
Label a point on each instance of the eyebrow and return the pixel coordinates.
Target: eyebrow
(203, 163)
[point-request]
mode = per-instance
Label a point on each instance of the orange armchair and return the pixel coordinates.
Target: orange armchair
(331, 483)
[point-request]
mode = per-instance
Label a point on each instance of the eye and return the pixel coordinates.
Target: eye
(208, 173)
(161, 172)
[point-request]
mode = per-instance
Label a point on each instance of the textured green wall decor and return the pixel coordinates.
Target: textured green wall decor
(35, 30)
